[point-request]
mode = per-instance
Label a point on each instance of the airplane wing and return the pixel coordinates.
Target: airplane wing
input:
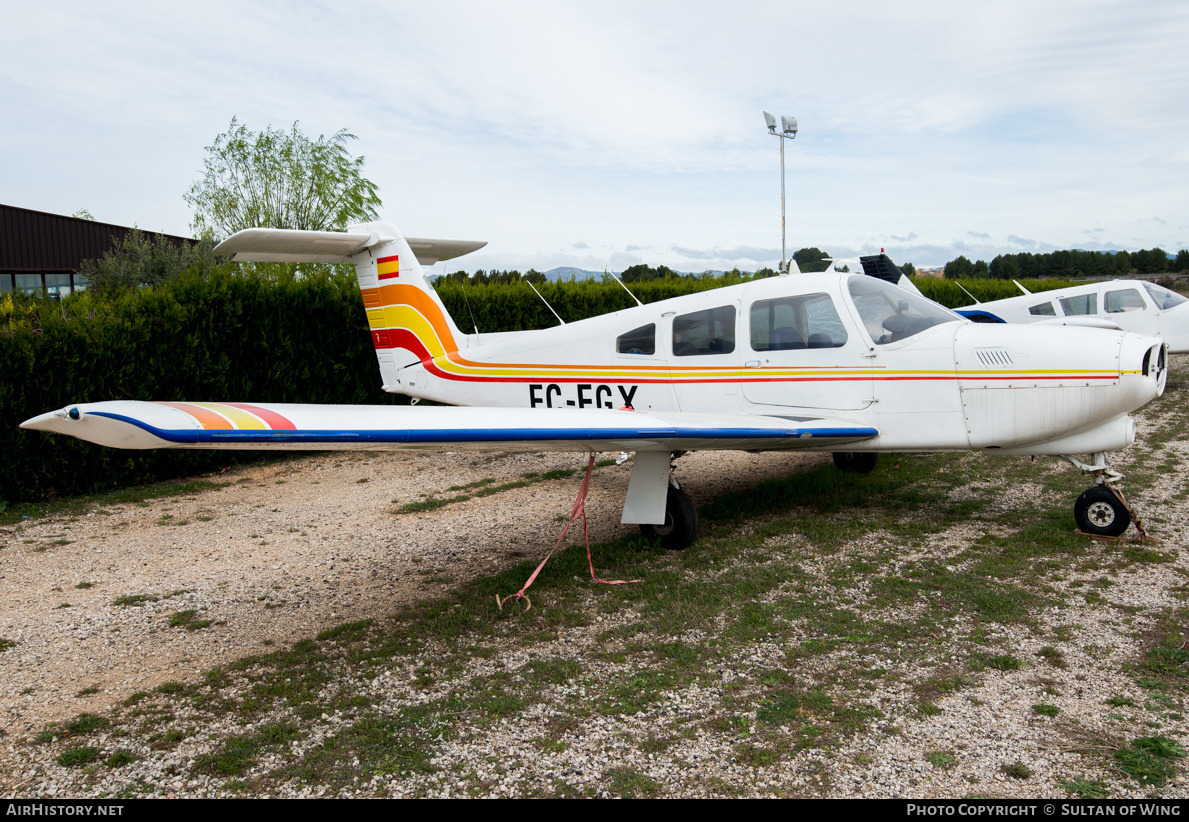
(136, 424)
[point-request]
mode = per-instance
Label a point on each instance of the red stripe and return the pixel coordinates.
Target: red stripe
(387, 259)
(390, 276)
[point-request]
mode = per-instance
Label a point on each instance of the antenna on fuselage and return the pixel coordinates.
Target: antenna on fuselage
(624, 287)
(1027, 293)
(977, 301)
(547, 305)
(474, 324)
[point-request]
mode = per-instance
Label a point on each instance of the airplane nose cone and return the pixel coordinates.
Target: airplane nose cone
(1024, 386)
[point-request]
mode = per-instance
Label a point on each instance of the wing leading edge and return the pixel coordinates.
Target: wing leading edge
(141, 425)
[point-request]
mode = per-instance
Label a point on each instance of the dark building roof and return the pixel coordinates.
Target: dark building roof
(33, 242)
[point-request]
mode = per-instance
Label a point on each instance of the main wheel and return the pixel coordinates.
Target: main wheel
(681, 522)
(1099, 512)
(856, 462)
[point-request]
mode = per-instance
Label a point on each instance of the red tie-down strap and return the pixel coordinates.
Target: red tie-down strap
(579, 509)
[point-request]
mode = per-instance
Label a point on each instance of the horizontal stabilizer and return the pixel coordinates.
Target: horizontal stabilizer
(226, 425)
(283, 245)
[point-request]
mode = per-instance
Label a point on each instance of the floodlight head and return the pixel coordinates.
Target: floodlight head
(771, 121)
(789, 125)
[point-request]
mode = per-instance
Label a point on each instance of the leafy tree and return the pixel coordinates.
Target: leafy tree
(278, 179)
(909, 269)
(811, 259)
(644, 274)
(1181, 263)
(980, 270)
(143, 260)
(960, 268)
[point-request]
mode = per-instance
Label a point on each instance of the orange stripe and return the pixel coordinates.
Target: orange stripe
(207, 419)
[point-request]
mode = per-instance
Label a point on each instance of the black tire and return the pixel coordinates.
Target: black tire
(1099, 512)
(856, 462)
(681, 522)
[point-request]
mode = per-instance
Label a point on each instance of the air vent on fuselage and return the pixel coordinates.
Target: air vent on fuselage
(993, 357)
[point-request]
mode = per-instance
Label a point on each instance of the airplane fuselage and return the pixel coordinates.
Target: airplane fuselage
(811, 345)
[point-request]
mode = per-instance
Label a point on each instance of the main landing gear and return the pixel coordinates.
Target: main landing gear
(1102, 511)
(681, 521)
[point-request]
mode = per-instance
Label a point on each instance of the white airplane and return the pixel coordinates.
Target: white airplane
(835, 362)
(1130, 305)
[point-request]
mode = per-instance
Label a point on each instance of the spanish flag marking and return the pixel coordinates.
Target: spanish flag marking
(388, 268)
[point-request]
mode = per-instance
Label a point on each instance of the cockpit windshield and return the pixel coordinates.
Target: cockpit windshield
(891, 313)
(1163, 297)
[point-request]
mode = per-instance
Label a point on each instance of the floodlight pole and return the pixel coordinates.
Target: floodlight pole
(788, 132)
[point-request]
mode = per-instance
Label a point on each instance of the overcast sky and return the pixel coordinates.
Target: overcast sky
(605, 134)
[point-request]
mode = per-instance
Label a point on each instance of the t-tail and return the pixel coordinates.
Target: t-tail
(407, 319)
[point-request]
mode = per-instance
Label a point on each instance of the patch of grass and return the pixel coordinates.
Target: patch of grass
(233, 758)
(1150, 760)
(941, 759)
(1044, 709)
(85, 585)
(85, 723)
(1004, 662)
(348, 631)
(5, 644)
(134, 600)
(187, 619)
(631, 783)
(1120, 701)
(76, 757)
(121, 758)
(1085, 788)
(1053, 656)
(1018, 770)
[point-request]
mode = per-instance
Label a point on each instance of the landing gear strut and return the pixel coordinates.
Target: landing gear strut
(1102, 511)
(681, 522)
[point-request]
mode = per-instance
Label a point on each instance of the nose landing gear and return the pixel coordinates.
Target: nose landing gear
(1102, 511)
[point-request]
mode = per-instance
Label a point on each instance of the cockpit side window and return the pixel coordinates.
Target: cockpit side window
(1043, 310)
(787, 323)
(704, 332)
(1129, 299)
(891, 313)
(640, 340)
(1079, 305)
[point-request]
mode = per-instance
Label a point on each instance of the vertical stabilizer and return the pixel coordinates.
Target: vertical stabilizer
(407, 319)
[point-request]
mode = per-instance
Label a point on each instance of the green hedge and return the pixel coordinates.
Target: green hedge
(252, 338)
(229, 337)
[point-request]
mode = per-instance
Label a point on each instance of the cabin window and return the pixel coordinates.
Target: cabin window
(1163, 297)
(1079, 305)
(640, 340)
(796, 322)
(1129, 299)
(1042, 310)
(891, 313)
(704, 332)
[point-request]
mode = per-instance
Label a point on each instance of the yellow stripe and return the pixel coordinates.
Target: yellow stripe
(392, 267)
(239, 418)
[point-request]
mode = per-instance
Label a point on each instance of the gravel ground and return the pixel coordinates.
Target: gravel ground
(289, 549)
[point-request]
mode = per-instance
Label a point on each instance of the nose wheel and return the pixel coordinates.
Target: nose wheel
(1100, 513)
